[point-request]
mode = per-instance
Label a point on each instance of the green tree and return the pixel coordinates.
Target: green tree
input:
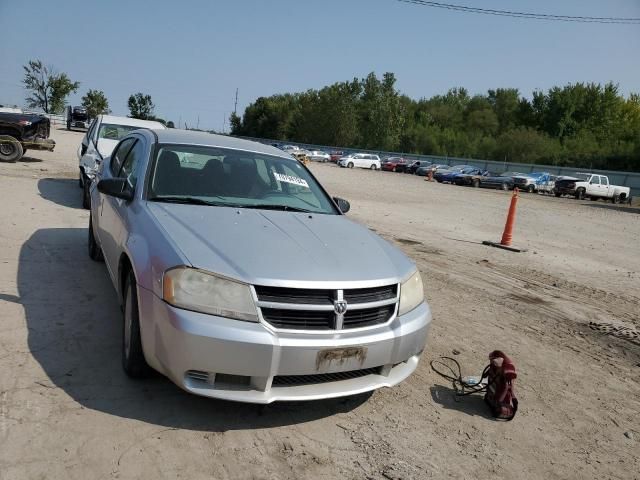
(588, 125)
(236, 124)
(505, 103)
(48, 88)
(96, 103)
(141, 106)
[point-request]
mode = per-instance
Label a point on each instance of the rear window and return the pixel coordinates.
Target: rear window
(111, 131)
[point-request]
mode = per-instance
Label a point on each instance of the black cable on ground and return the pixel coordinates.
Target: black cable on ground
(445, 368)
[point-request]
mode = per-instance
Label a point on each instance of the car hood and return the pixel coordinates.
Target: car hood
(106, 146)
(265, 247)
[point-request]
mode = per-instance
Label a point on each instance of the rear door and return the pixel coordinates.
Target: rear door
(605, 188)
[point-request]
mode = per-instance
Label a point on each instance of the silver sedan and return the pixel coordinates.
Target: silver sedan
(240, 277)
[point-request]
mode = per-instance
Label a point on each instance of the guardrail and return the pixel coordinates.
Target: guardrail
(616, 177)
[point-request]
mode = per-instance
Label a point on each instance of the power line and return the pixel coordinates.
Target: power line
(526, 15)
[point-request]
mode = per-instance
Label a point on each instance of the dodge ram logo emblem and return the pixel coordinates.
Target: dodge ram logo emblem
(340, 306)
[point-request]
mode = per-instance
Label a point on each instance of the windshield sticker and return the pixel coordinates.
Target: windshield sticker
(289, 179)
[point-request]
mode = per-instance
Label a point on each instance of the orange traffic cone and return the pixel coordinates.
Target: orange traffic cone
(507, 235)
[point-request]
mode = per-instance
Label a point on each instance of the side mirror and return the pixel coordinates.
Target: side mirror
(343, 205)
(116, 187)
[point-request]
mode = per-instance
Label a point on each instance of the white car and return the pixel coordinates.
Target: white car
(318, 156)
(360, 160)
(594, 186)
(103, 135)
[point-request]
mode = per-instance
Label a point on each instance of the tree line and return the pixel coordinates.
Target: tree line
(49, 89)
(582, 124)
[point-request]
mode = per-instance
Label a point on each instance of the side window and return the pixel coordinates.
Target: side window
(130, 165)
(604, 181)
(595, 180)
(119, 154)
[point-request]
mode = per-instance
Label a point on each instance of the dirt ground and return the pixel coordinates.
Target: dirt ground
(567, 311)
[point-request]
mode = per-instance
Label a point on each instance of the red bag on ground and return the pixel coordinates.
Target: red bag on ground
(500, 394)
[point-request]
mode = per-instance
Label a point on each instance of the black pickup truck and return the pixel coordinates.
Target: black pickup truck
(22, 131)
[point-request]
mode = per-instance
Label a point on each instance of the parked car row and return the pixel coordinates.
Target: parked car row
(582, 186)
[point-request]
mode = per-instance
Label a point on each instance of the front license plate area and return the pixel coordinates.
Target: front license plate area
(332, 357)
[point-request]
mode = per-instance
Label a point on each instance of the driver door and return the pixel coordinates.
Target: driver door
(110, 224)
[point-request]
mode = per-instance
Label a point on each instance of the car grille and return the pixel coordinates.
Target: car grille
(290, 380)
(313, 309)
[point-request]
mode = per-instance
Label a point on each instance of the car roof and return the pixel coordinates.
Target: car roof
(133, 122)
(189, 137)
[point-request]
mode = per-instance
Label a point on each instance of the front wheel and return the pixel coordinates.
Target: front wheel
(580, 194)
(505, 186)
(133, 361)
(557, 194)
(350, 165)
(475, 183)
(10, 149)
(373, 167)
(615, 199)
(531, 189)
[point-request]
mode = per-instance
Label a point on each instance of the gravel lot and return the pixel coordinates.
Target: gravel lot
(567, 311)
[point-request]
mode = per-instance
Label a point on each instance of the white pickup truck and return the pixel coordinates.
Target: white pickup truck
(592, 186)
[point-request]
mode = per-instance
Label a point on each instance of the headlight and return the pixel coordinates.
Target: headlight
(411, 294)
(204, 292)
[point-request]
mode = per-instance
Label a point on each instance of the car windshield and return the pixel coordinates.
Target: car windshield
(111, 131)
(223, 177)
(583, 176)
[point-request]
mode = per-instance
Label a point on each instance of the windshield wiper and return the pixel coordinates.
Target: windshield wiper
(277, 206)
(185, 200)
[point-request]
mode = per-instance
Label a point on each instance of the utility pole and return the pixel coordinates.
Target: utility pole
(224, 122)
(235, 105)
(198, 123)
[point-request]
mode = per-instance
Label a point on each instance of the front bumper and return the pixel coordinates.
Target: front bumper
(38, 143)
(239, 361)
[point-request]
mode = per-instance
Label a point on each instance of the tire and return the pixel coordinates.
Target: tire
(68, 125)
(350, 165)
(373, 167)
(531, 188)
(133, 361)
(86, 195)
(593, 199)
(475, 183)
(557, 194)
(615, 198)
(504, 186)
(394, 170)
(580, 194)
(80, 184)
(10, 149)
(95, 252)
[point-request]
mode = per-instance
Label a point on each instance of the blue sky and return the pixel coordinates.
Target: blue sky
(191, 55)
